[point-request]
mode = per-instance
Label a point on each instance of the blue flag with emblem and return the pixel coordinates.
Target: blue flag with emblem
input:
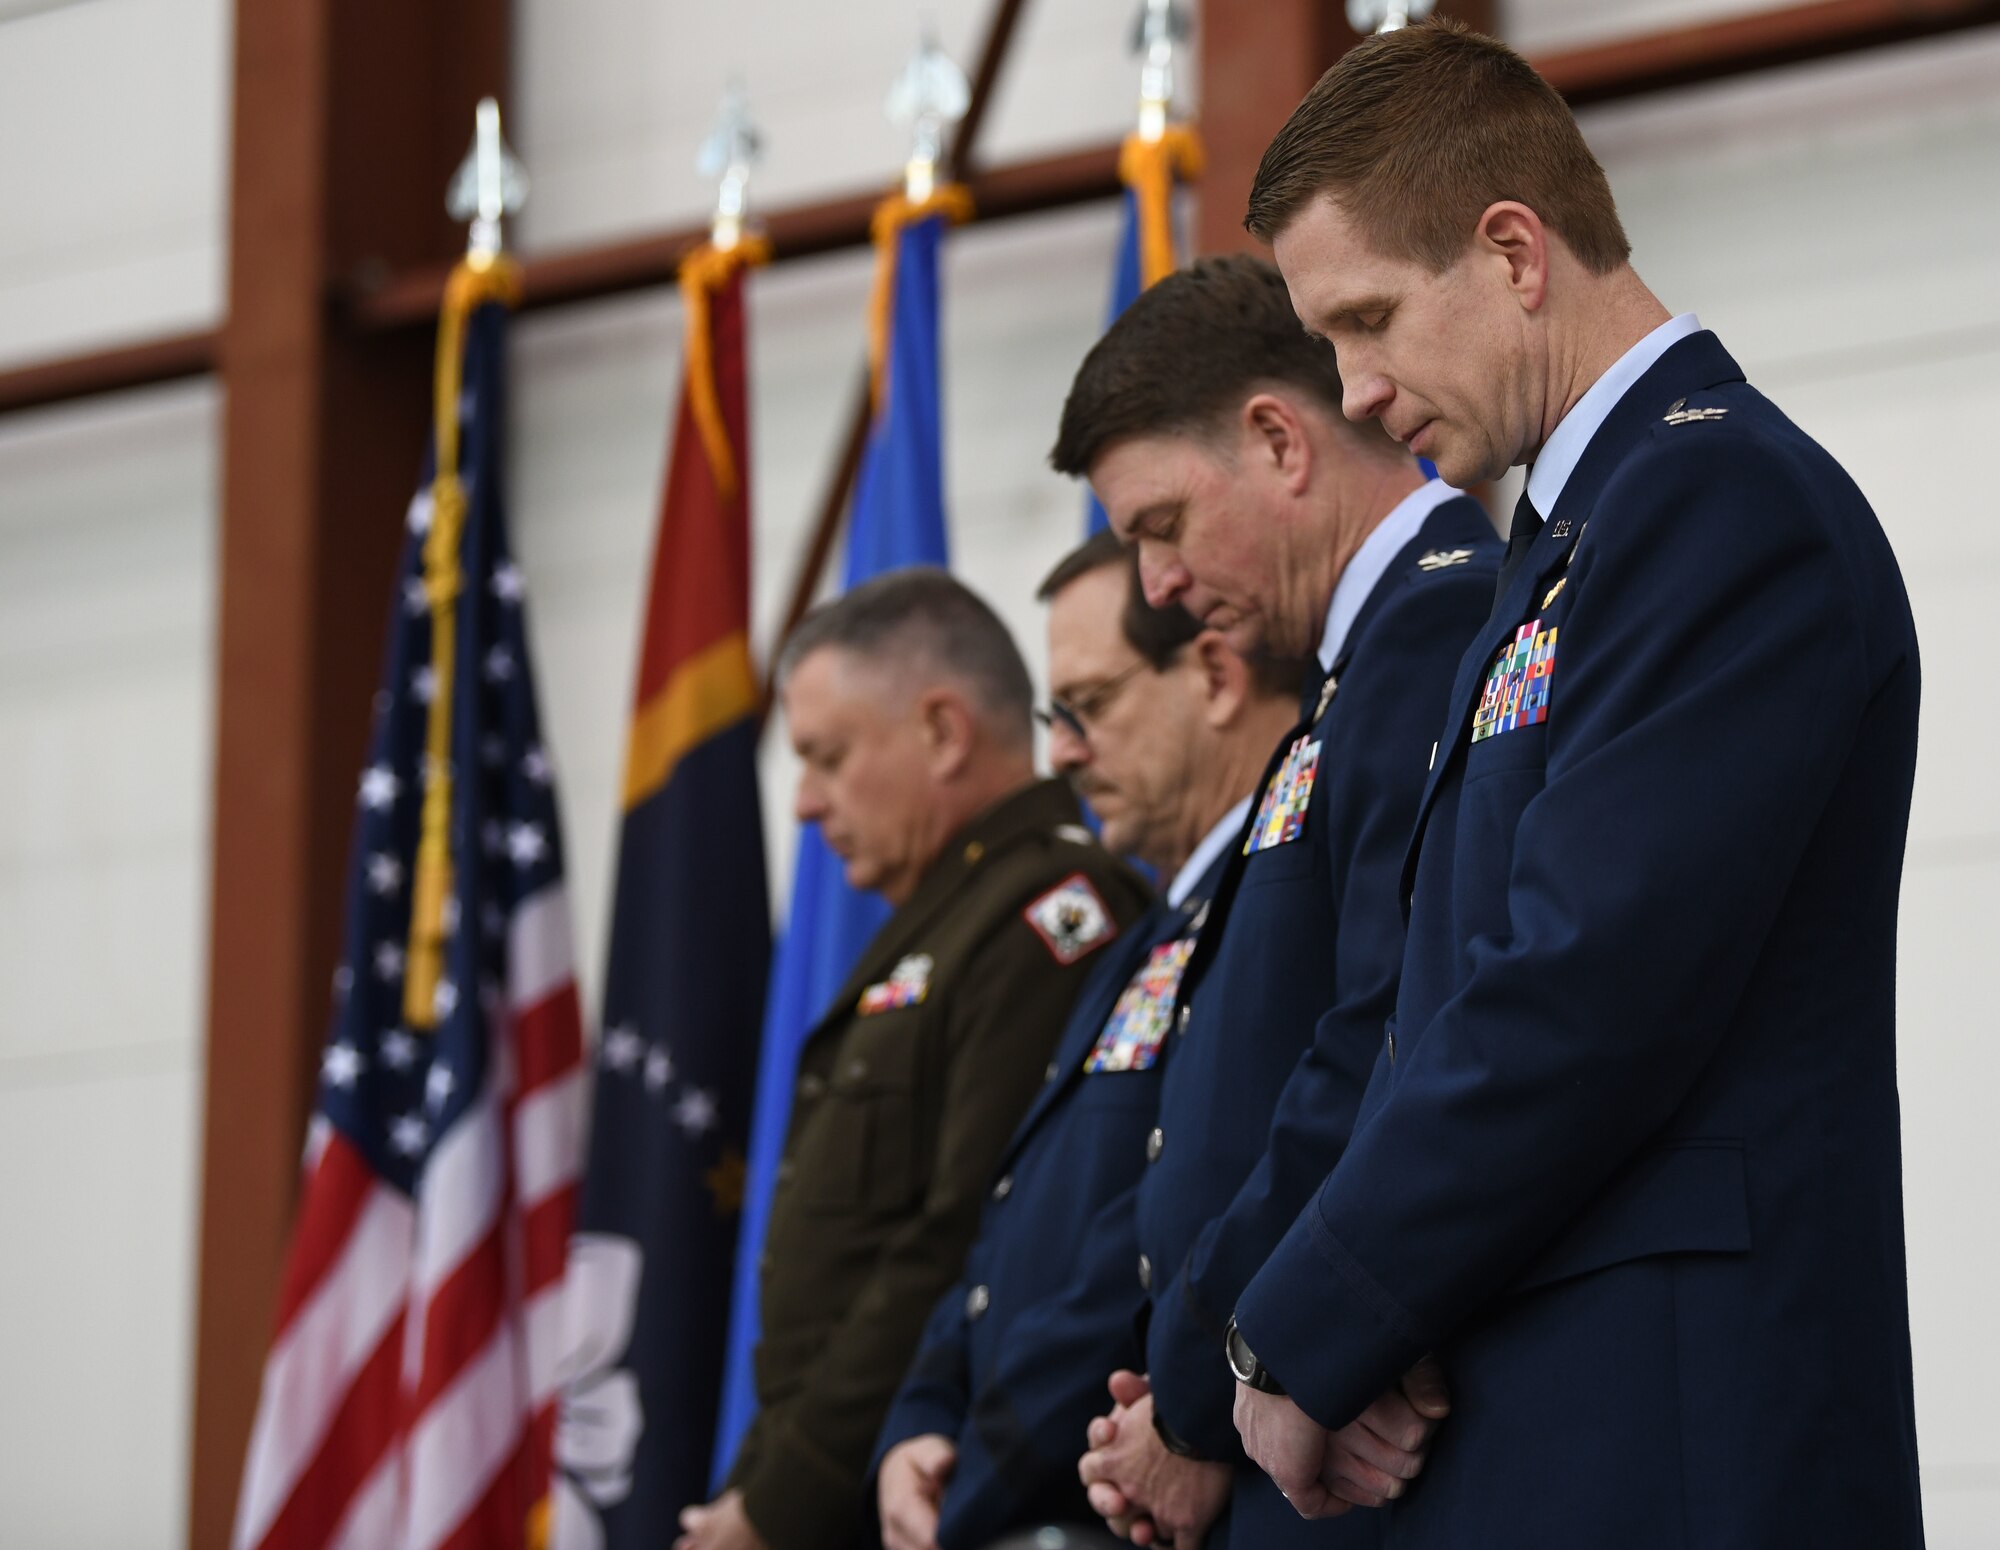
(897, 520)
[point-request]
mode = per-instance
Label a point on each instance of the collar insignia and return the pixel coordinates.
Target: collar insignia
(1680, 414)
(1326, 693)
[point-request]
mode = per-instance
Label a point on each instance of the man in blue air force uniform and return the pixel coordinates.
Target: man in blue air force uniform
(1162, 728)
(1629, 1164)
(1210, 426)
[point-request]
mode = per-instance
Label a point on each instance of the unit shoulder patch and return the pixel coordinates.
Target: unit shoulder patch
(907, 985)
(1443, 559)
(1070, 919)
(1680, 414)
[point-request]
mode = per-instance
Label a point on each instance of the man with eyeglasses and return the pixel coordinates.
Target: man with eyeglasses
(1163, 729)
(1210, 425)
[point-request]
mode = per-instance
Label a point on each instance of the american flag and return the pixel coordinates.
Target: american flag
(409, 1395)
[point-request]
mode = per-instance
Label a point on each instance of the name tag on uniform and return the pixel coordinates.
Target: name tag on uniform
(1517, 685)
(1131, 1039)
(907, 985)
(1281, 816)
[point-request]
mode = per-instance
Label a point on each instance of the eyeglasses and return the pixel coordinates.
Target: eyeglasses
(1075, 716)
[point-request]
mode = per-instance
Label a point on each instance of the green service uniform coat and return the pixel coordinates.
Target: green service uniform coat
(907, 1093)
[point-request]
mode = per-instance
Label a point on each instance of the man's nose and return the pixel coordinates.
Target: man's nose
(808, 802)
(1067, 752)
(1161, 575)
(1364, 394)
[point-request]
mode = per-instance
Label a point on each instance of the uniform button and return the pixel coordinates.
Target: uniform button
(1004, 1188)
(976, 1301)
(1145, 1273)
(1052, 1072)
(1186, 1013)
(1154, 1142)
(973, 852)
(1392, 1046)
(811, 1086)
(786, 1171)
(857, 1069)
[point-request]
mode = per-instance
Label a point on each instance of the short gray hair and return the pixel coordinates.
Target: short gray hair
(923, 616)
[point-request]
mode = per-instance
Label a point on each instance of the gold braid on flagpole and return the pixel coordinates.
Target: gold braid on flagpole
(476, 279)
(704, 272)
(951, 200)
(1150, 168)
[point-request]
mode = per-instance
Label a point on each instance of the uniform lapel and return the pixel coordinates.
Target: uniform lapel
(1695, 363)
(1083, 1032)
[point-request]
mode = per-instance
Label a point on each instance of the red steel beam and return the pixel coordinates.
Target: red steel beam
(801, 231)
(169, 358)
(1761, 40)
(349, 116)
(1600, 72)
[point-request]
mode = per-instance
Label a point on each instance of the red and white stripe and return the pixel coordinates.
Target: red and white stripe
(409, 1397)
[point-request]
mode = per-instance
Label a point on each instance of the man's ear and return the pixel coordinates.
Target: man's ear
(947, 728)
(1512, 233)
(1275, 435)
(1225, 679)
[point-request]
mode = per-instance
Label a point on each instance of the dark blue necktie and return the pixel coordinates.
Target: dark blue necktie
(1526, 526)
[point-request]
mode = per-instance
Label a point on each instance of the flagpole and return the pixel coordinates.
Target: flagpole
(488, 185)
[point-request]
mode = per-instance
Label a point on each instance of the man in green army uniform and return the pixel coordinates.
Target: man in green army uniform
(911, 711)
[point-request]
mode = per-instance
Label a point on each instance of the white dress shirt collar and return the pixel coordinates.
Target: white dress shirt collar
(1372, 558)
(1227, 827)
(1564, 449)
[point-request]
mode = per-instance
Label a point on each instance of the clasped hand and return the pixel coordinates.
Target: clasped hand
(1143, 1492)
(1367, 1462)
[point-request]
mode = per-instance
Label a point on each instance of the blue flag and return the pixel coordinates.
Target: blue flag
(897, 520)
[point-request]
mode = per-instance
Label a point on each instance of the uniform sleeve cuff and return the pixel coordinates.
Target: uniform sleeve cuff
(914, 1417)
(1194, 1392)
(1324, 1327)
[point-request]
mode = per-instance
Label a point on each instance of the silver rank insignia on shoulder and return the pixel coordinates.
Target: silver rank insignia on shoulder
(1076, 834)
(1440, 559)
(1327, 691)
(1070, 919)
(1680, 414)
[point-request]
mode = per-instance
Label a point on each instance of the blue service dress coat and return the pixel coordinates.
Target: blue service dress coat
(1288, 992)
(1630, 1161)
(1012, 1363)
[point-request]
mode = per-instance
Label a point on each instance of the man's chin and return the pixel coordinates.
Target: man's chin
(1116, 837)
